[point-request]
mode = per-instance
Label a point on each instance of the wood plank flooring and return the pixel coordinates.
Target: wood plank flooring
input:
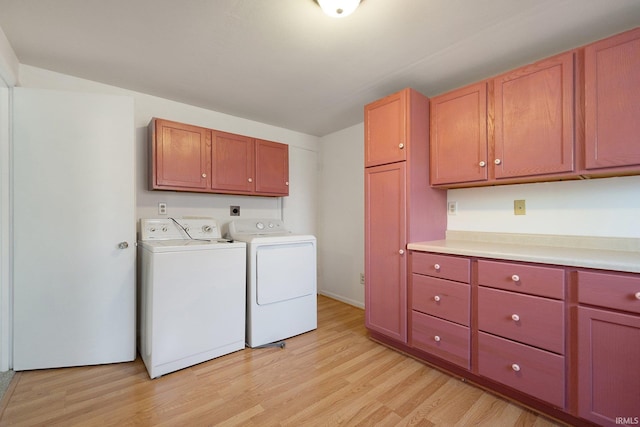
(332, 376)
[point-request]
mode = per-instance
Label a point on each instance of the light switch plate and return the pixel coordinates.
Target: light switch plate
(452, 208)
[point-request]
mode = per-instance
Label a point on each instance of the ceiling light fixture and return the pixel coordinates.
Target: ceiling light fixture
(338, 8)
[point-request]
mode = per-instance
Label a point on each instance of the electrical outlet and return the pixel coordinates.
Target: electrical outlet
(452, 208)
(362, 278)
(234, 210)
(162, 208)
(519, 207)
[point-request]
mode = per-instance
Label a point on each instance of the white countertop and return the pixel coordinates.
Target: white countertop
(618, 254)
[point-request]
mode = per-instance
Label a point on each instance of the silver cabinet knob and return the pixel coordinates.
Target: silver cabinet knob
(250, 179)
(637, 295)
(497, 161)
(436, 266)
(436, 338)
(436, 298)
(286, 183)
(482, 164)
(123, 245)
(401, 146)
(515, 278)
(515, 317)
(401, 251)
(515, 367)
(204, 175)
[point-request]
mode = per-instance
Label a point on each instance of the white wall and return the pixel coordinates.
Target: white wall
(299, 209)
(341, 215)
(608, 207)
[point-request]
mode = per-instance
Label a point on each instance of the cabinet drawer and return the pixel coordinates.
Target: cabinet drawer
(524, 318)
(441, 266)
(441, 298)
(530, 370)
(615, 291)
(528, 279)
(441, 338)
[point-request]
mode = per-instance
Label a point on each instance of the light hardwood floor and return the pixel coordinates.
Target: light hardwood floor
(332, 376)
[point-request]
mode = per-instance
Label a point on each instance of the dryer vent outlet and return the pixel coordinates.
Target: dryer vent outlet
(234, 210)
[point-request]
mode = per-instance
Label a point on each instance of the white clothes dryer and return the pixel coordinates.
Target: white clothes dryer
(281, 280)
(191, 296)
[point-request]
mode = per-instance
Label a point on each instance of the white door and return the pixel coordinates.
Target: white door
(73, 205)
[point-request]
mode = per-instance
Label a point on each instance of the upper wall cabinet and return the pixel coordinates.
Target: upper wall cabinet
(612, 104)
(459, 136)
(190, 158)
(534, 119)
(233, 163)
(180, 156)
(570, 116)
(272, 167)
(517, 127)
(385, 124)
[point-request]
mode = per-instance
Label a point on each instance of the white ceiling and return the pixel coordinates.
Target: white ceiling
(283, 62)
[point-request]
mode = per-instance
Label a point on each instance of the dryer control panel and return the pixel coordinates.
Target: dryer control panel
(256, 227)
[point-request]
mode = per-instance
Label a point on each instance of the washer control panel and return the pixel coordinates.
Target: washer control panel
(179, 229)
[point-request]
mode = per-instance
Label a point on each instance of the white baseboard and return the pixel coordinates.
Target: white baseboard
(342, 299)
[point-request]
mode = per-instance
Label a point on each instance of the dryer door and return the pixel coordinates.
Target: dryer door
(285, 271)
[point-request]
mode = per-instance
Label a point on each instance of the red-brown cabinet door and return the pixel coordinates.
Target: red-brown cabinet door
(608, 357)
(612, 102)
(233, 160)
(385, 247)
(180, 157)
(459, 136)
(272, 168)
(385, 124)
(534, 119)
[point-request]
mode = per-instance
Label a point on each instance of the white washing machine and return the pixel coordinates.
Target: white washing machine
(281, 280)
(191, 296)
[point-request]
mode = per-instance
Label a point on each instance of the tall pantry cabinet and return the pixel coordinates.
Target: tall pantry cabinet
(400, 206)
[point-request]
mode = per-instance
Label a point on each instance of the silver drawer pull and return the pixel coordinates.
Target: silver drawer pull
(515, 317)
(436, 298)
(515, 278)
(637, 295)
(515, 367)
(123, 245)
(436, 266)
(436, 338)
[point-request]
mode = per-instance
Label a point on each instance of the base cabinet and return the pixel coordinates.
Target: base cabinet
(533, 371)
(609, 378)
(609, 348)
(440, 303)
(563, 340)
